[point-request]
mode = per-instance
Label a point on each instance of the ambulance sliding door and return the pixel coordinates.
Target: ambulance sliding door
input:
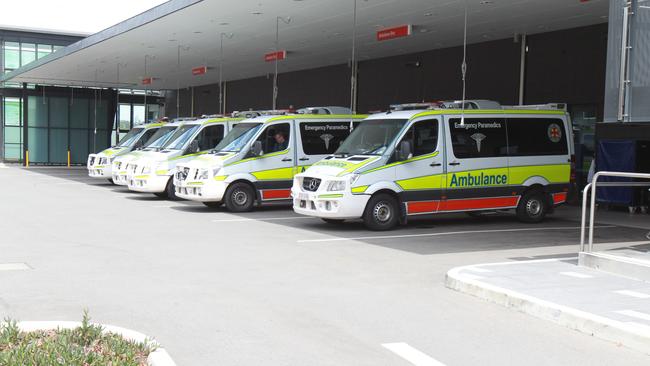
(477, 164)
(421, 176)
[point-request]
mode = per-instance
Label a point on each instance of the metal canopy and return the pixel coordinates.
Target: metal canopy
(319, 34)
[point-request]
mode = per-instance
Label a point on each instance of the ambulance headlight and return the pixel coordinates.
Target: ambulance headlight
(336, 185)
(354, 178)
(203, 174)
(216, 172)
(146, 169)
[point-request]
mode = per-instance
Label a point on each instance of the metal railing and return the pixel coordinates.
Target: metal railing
(592, 187)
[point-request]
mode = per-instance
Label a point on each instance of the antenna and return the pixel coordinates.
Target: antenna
(463, 67)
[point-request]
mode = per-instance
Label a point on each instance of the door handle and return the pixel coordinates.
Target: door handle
(287, 159)
(454, 164)
(303, 159)
(435, 164)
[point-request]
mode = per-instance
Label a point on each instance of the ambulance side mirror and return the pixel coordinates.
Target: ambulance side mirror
(256, 149)
(194, 147)
(404, 152)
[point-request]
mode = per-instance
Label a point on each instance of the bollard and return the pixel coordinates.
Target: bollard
(68, 158)
(26, 158)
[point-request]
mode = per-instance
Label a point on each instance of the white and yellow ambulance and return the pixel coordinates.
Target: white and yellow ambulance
(100, 165)
(401, 164)
(257, 160)
(152, 172)
(154, 144)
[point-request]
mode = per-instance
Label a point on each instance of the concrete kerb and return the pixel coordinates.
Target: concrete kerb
(159, 357)
(622, 333)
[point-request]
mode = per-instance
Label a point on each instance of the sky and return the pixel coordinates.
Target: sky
(76, 16)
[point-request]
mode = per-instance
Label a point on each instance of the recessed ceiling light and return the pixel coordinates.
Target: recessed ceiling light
(257, 13)
(197, 32)
(172, 40)
(428, 14)
(224, 23)
(486, 2)
(423, 30)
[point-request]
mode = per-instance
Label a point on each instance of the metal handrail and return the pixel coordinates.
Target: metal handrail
(591, 187)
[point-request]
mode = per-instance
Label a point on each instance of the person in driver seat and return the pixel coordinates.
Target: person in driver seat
(281, 142)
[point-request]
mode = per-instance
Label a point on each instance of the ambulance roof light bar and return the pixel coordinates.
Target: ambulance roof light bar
(184, 119)
(212, 116)
(448, 104)
(324, 110)
(547, 106)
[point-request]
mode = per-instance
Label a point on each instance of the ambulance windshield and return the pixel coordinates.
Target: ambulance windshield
(371, 137)
(238, 137)
(130, 138)
(159, 138)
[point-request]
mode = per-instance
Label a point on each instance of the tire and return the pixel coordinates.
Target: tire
(161, 194)
(532, 207)
(110, 180)
(240, 197)
(170, 190)
(382, 213)
(212, 204)
(333, 221)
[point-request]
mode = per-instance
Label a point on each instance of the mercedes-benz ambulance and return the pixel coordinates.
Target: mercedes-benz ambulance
(100, 165)
(257, 160)
(154, 144)
(152, 172)
(402, 164)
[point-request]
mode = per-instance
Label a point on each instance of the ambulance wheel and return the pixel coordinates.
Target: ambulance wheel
(160, 194)
(110, 180)
(382, 213)
(240, 197)
(533, 207)
(333, 221)
(170, 190)
(212, 204)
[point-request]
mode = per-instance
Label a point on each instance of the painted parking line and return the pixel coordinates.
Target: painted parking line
(576, 275)
(448, 233)
(14, 267)
(638, 295)
(634, 314)
(412, 355)
(267, 219)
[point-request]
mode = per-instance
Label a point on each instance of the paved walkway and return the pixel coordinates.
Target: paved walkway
(608, 306)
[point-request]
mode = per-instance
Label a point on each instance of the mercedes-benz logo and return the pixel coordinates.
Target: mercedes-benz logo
(313, 184)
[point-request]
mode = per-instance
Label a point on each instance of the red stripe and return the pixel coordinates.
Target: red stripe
(422, 207)
(559, 197)
(270, 194)
(462, 204)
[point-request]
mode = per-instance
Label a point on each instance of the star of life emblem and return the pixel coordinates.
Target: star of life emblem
(554, 132)
(478, 138)
(327, 138)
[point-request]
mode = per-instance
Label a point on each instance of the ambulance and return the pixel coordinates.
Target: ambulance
(100, 165)
(154, 144)
(256, 162)
(152, 172)
(402, 164)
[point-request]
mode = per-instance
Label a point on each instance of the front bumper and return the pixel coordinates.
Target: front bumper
(120, 178)
(329, 205)
(201, 191)
(148, 183)
(100, 171)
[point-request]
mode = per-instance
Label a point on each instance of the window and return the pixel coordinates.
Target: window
(323, 138)
(536, 136)
(44, 50)
(27, 53)
(275, 138)
(13, 131)
(423, 136)
(138, 114)
(478, 138)
(210, 137)
(238, 137)
(11, 55)
(145, 137)
(125, 117)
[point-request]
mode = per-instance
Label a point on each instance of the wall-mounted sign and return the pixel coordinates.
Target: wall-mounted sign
(279, 55)
(394, 32)
(147, 81)
(201, 70)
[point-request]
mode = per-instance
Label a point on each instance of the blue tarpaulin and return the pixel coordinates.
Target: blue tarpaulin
(616, 156)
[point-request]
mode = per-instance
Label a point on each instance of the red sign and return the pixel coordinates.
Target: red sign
(280, 55)
(147, 81)
(201, 70)
(395, 32)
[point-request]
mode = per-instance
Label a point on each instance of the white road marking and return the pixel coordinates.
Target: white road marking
(164, 206)
(634, 314)
(478, 269)
(447, 233)
(14, 267)
(638, 295)
(411, 354)
(266, 219)
(576, 275)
